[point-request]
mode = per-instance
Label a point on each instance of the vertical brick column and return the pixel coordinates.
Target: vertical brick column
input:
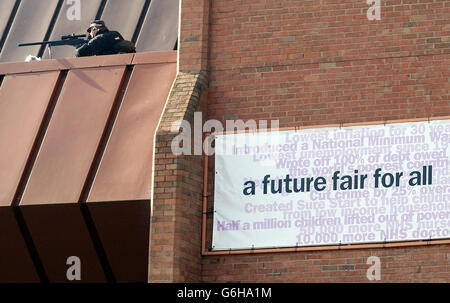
(175, 243)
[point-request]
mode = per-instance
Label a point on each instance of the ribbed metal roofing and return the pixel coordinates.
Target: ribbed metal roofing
(76, 138)
(76, 159)
(151, 24)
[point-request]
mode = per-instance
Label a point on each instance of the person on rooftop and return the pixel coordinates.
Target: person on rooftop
(104, 42)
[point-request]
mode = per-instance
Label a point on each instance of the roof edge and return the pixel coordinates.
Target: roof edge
(9, 68)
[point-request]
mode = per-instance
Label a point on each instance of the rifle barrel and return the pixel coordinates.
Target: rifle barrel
(73, 42)
(35, 43)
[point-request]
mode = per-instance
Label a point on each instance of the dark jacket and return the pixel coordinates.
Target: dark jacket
(104, 43)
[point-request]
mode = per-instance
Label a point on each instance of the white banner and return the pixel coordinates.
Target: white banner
(324, 186)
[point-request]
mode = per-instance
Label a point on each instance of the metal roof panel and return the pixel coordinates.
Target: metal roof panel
(125, 172)
(155, 57)
(160, 29)
(30, 25)
(73, 136)
(59, 232)
(16, 265)
(6, 8)
(8, 68)
(23, 102)
(66, 24)
(123, 228)
(123, 16)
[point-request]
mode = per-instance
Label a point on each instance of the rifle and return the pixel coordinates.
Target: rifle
(72, 39)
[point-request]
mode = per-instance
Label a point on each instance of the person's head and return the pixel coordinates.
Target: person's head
(95, 27)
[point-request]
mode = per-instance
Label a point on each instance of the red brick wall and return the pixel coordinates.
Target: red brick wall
(177, 191)
(175, 240)
(335, 92)
(419, 264)
(322, 62)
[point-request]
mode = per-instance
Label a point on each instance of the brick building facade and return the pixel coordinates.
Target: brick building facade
(304, 63)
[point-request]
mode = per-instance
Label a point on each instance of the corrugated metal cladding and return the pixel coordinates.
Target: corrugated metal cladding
(76, 153)
(151, 24)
